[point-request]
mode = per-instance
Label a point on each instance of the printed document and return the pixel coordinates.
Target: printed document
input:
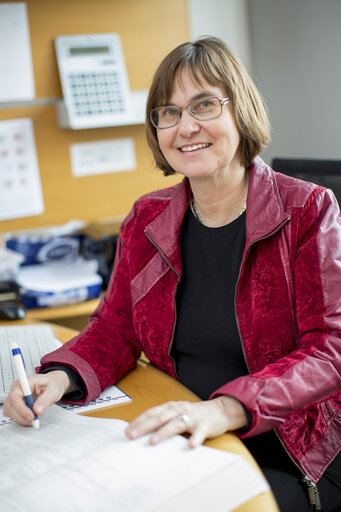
(20, 185)
(110, 396)
(17, 80)
(76, 463)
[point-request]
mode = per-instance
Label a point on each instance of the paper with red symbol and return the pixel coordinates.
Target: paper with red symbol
(20, 186)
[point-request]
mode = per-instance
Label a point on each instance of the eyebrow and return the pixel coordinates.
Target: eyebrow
(206, 94)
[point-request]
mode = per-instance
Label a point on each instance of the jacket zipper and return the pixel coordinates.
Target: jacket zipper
(313, 493)
(240, 271)
(174, 295)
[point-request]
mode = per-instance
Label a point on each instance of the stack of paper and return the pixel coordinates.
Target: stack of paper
(76, 463)
(55, 284)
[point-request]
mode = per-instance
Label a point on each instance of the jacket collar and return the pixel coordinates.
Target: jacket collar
(264, 210)
(165, 229)
(264, 207)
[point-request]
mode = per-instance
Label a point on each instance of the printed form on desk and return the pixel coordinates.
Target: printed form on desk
(35, 341)
(78, 464)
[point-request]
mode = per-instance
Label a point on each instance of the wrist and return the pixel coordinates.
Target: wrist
(234, 411)
(63, 381)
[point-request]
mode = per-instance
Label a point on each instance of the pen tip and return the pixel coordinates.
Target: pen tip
(36, 424)
(14, 345)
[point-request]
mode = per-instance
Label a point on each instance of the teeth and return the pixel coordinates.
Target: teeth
(193, 148)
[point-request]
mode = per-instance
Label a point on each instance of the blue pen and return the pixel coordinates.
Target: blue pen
(19, 364)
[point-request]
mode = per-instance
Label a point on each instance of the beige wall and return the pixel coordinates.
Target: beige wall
(148, 30)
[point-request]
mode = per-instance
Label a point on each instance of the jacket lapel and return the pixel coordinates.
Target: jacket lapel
(264, 213)
(164, 231)
(264, 207)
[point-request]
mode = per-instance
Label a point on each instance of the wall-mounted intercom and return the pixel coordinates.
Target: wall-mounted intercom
(94, 80)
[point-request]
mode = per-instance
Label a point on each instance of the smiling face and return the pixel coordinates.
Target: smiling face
(198, 149)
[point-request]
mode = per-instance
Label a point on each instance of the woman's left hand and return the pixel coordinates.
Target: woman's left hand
(202, 420)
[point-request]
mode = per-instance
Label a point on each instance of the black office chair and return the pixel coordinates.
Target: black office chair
(322, 172)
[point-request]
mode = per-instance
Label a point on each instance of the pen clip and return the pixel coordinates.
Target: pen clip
(15, 352)
(23, 362)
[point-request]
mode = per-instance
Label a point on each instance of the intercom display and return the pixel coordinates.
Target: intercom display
(94, 80)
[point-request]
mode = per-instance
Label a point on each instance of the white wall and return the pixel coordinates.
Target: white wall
(227, 19)
(292, 48)
(297, 60)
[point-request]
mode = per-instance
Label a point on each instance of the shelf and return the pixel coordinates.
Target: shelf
(81, 308)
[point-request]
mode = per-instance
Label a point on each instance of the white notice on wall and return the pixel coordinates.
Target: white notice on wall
(101, 157)
(20, 187)
(17, 81)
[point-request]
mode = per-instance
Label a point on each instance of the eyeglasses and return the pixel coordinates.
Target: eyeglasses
(203, 109)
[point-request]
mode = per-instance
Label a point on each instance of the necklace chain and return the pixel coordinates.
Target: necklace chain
(199, 217)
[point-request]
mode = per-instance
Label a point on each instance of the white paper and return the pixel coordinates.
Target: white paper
(20, 186)
(4, 421)
(102, 157)
(34, 341)
(17, 81)
(76, 463)
(59, 276)
(111, 396)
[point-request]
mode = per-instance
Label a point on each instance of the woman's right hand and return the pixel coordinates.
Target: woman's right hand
(46, 389)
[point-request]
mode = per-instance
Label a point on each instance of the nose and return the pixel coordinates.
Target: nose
(188, 125)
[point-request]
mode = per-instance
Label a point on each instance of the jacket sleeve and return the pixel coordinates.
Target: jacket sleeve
(311, 373)
(107, 348)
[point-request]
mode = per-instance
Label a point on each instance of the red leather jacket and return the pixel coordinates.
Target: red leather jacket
(288, 308)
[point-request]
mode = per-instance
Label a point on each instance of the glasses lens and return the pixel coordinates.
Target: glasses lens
(206, 108)
(203, 110)
(165, 117)
(154, 117)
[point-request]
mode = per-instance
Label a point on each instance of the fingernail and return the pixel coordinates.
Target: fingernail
(39, 408)
(131, 432)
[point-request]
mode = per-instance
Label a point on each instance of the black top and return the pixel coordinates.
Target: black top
(207, 347)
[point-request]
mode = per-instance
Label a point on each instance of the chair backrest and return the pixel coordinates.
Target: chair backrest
(322, 172)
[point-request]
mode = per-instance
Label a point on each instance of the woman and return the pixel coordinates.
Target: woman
(228, 281)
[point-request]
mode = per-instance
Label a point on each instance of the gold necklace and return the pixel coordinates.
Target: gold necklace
(199, 217)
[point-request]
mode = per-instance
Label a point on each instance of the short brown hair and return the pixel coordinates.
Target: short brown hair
(209, 58)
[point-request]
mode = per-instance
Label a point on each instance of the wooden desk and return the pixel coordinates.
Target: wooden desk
(74, 316)
(79, 309)
(149, 386)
